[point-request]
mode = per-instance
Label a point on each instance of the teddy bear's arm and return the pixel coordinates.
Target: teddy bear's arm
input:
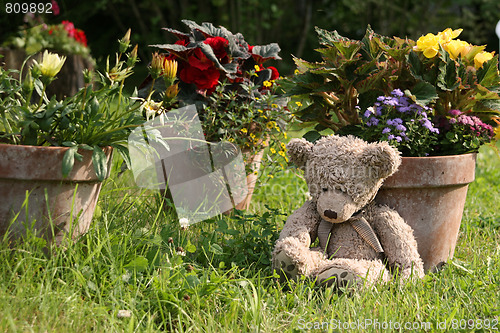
(299, 232)
(397, 239)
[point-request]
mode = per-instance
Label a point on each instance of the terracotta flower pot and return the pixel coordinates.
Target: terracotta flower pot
(32, 186)
(429, 193)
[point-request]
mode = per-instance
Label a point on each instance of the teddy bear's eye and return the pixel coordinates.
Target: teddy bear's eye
(325, 189)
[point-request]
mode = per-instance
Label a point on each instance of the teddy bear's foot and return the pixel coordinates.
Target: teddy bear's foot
(285, 267)
(337, 277)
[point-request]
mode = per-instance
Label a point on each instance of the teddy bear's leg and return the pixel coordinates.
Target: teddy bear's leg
(342, 272)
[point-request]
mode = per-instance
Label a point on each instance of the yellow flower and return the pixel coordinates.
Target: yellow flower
(272, 150)
(497, 129)
(481, 58)
(296, 72)
(429, 45)
(447, 35)
(299, 104)
(244, 130)
(252, 135)
(256, 172)
(257, 68)
(267, 84)
(457, 48)
(285, 135)
(283, 145)
(271, 176)
(260, 111)
(169, 69)
(282, 153)
(51, 64)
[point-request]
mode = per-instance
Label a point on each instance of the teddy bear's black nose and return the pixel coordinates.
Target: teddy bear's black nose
(330, 214)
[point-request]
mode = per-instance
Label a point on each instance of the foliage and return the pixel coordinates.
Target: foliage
(97, 116)
(236, 96)
(436, 71)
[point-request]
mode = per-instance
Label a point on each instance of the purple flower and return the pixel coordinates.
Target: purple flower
(455, 113)
(397, 121)
(397, 93)
(386, 130)
(398, 139)
(427, 124)
(372, 122)
(452, 121)
(391, 101)
(401, 128)
(465, 120)
(390, 137)
(367, 114)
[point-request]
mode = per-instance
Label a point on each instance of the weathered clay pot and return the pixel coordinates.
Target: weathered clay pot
(429, 193)
(33, 189)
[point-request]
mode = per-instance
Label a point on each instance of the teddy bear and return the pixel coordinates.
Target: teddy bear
(359, 241)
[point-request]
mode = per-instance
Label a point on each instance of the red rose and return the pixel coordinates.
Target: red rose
(275, 74)
(199, 60)
(218, 45)
(203, 79)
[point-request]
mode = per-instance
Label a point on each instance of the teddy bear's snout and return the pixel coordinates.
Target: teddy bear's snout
(330, 214)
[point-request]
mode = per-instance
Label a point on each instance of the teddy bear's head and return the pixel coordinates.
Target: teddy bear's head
(343, 173)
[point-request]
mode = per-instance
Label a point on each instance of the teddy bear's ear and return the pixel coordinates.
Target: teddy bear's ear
(383, 158)
(299, 151)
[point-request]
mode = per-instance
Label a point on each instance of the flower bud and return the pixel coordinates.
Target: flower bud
(28, 84)
(124, 42)
(156, 67)
(87, 76)
(132, 58)
(172, 92)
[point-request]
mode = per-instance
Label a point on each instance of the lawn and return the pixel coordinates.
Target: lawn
(137, 271)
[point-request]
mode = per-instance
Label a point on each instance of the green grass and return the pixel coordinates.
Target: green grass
(216, 276)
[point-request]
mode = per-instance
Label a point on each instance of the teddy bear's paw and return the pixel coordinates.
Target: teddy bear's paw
(285, 267)
(337, 277)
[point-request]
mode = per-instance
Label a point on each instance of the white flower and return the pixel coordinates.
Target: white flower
(51, 64)
(184, 222)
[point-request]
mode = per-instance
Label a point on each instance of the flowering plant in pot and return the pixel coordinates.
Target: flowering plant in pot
(236, 94)
(63, 38)
(435, 99)
(47, 146)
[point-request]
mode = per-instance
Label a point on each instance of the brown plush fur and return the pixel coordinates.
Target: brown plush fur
(343, 175)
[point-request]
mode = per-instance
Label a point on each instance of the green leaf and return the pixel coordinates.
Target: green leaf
(215, 249)
(269, 51)
(448, 75)
(68, 160)
(424, 93)
(190, 247)
(139, 263)
(99, 161)
(416, 65)
(488, 75)
(312, 136)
